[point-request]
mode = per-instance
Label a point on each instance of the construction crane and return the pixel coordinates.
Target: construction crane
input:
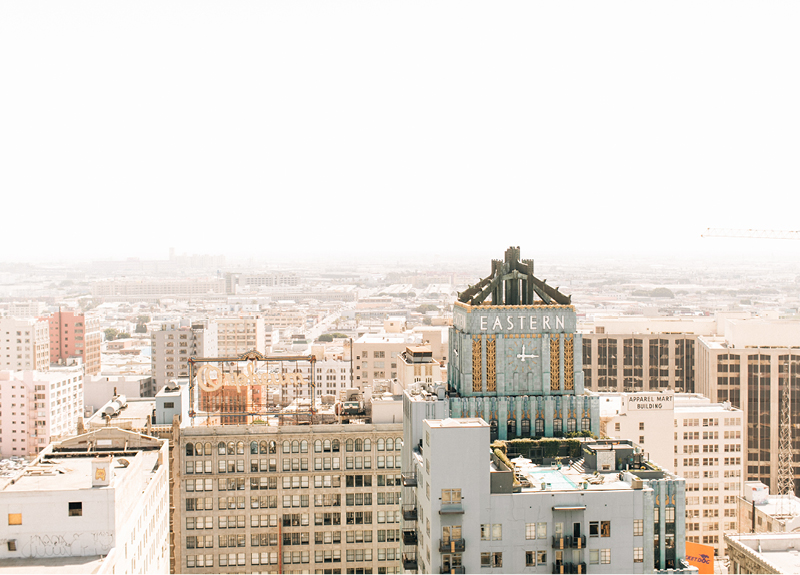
(737, 233)
(785, 450)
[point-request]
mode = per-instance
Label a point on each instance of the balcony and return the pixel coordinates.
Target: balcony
(560, 542)
(451, 508)
(410, 512)
(410, 561)
(452, 569)
(569, 567)
(409, 536)
(409, 479)
(451, 545)
(578, 542)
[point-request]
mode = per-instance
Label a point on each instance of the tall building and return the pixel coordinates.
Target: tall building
(75, 335)
(38, 407)
(466, 514)
(705, 447)
(289, 498)
(751, 364)
(94, 503)
(175, 343)
(236, 336)
(513, 359)
(24, 344)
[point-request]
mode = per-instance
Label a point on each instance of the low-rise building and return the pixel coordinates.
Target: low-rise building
(763, 553)
(98, 501)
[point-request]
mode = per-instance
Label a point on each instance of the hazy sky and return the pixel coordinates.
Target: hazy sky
(253, 128)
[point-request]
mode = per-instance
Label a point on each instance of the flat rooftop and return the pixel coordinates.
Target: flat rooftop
(535, 477)
(72, 473)
(781, 550)
(85, 565)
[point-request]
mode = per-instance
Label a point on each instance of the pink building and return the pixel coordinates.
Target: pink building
(75, 335)
(37, 407)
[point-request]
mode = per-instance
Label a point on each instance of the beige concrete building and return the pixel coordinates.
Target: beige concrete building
(24, 344)
(288, 499)
(706, 447)
(417, 365)
(175, 343)
(642, 353)
(749, 366)
(236, 336)
(763, 553)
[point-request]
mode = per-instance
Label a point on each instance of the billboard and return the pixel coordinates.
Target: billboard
(701, 556)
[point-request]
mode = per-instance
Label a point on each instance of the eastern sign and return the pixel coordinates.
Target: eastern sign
(651, 402)
(524, 320)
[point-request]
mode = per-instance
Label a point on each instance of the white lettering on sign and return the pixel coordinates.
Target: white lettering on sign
(650, 402)
(508, 324)
(212, 378)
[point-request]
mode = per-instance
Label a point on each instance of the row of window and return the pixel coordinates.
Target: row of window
(291, 557)
(296, 446)
(293, 464)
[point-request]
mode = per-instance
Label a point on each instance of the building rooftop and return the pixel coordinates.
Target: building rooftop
(780, 550)
(85, 565)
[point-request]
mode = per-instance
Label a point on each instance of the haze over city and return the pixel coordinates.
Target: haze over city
(308, 128)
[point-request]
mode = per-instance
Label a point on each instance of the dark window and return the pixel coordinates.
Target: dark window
(75, 508)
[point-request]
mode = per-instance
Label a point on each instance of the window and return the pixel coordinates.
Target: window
(541, 557)
(451, 496)
(15, 518)
(605, 556)
(497, 532)
(75, 509)
(641, 426)
(638, 555)
(485, 533)
(638, 526)
(530, 559)
(605, 529)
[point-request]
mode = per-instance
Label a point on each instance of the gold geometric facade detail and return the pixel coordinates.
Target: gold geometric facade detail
(555, 356)
(569, 378)
(477, 367)
(491, 362)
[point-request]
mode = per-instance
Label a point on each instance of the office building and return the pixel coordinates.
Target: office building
(609, 512)
(75, 335)
(175, 343)
(24, 344)
(38, 407)
(693, 438)
(236, 336)
(749, 365)
(96, 502)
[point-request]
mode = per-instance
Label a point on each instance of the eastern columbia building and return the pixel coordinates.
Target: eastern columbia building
(513, 356)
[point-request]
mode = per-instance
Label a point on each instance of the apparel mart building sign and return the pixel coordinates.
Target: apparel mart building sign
(651, 402)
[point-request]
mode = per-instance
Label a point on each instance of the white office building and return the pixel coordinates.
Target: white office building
(98, 502)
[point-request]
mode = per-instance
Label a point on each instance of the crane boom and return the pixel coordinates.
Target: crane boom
(738, 233)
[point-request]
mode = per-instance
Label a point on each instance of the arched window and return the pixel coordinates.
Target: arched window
(526, 427)
(318, 446)
(208, 448)
(398, 443)
(389, 444)
(221, 448)
(511, 428)
(367, 445)
(539, 427)
(348, 445)
(572, 425)
(295, 446)
(335, 446)
(231, 448)
(359, 445)
(189, 449)
(254, 448)
(273, 447)
(287, 447)
(240, 448)
(558, 427)
(326, 446)
(262, 447)
(304, 446)
(381, 444)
